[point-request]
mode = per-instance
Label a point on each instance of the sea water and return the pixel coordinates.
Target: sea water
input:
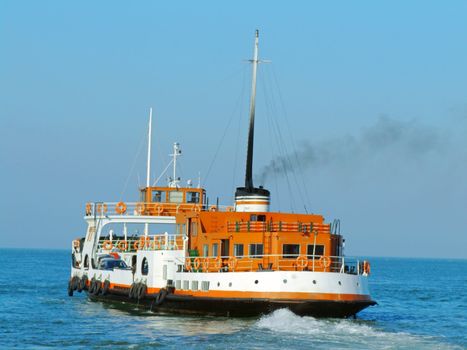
(422, 304)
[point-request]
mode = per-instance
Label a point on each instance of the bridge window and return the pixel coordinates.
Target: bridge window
(205, 249)
(254, 217)
(255, 250)
(158, 196)
(319, 250)
(192, 197)
(238, 249)
(290, 251)
(215, 249)
(176, 197)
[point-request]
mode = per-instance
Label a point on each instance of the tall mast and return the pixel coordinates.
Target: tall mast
(251, 132)
(148, 174)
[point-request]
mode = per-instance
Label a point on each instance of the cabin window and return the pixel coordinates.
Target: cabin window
(86, 262)
(238, 249)
(319, 250)
(144, 267)
(142, 195)
(176, 197)
(290, 251)
(192, 197)
(254, 217)
(255, 250)
(158, 196)
(205, 249)
(215, 249)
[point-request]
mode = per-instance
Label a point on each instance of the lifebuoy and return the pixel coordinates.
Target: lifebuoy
(88, 208)
(159, 209)
(120, 208)
(101, 208)
(231, 209)
(136, 245)
(324, 261)
(233, 262)
(218, 263)
(122, 245)
(205, 264)
(107, 245)
(140, 208)
(366, 267)
(196, 208)
(197, 263)
(188, 264)
(213, 208)
(157, 244)
(302, 262)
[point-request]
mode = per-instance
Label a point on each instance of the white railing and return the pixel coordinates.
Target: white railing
(142, 208)
(150, 242)
(287, 262)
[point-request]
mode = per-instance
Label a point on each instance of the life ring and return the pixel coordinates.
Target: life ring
(188, 264)
(88, 208)
(140, 208)
(161, 296)
(205, 264)
(302, 262)
(159, 209)
(107, 245)
(122, 246)
(136, 245)
(157, 244)
(218, 263)
(197, 263)
(231, 209)
(120, 208)
(196, 208)
(101, 208)
(366, 267)
(213, 208)
(233, 262)
(324, 261)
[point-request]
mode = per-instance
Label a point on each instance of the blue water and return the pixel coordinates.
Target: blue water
(422, 305)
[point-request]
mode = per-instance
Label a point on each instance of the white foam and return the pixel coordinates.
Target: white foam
(345, 333)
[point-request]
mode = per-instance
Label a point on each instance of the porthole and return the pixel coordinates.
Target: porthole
(256, 281)
(144, 267)
(340, 283)
(218, 284)
(230, 284)
(284, 280)
(314, 281)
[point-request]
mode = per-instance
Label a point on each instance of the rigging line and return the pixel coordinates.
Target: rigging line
(300, 165)
(289, 154)
(163, 172)
(273, 149)
(221, 140)
(241, 110)
(138, 152)
(280, 144)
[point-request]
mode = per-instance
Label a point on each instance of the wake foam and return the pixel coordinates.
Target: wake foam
(344, 333)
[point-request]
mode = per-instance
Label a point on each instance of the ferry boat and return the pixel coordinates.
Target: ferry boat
(173, 252)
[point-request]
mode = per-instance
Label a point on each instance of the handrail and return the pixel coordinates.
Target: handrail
(147, 208)
(275, 262)
(149, 242)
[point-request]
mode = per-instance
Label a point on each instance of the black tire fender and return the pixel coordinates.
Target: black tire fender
(161, 296)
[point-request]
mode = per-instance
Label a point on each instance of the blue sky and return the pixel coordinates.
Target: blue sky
(372, 97)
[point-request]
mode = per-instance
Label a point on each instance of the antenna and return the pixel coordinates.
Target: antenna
(148, 174)
(177, 152)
